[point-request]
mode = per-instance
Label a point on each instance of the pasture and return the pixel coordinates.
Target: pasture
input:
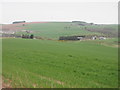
(36, 63)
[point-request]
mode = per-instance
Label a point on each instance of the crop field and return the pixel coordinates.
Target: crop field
(51, 64)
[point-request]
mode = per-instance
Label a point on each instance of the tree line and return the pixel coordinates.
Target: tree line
(28, 36)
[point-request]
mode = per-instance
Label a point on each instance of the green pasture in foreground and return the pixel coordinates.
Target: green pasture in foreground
(54, 30)
(46, 63)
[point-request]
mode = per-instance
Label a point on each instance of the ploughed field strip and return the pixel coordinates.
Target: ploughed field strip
(46, 63)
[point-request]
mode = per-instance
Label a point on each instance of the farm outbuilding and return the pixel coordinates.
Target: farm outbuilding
(102, 38)
(94, 37)
(71, 37)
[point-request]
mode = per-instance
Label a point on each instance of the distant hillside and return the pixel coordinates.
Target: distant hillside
(53, 30)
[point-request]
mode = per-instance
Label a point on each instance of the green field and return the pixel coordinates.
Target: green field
(51, 64)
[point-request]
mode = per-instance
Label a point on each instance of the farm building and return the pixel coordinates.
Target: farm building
(71, 37)
(18, 22)
(102, 38)
(94, 37)
(98, 37)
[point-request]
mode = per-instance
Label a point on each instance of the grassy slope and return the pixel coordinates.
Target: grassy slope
(42, 63)
(55, 29)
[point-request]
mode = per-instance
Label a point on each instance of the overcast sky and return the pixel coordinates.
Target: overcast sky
(96, 12)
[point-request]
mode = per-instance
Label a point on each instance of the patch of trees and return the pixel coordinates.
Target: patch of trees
(18, 22)
(78, 22)
(82, 23)
(28, 36)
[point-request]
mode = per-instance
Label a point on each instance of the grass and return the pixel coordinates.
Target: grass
(47, 63)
